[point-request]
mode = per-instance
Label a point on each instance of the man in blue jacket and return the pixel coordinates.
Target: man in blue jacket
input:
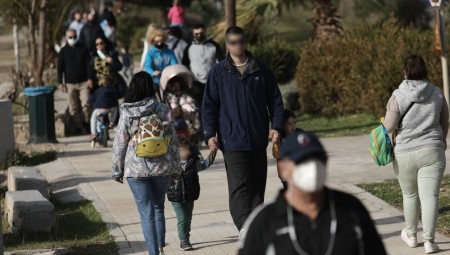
(241, 99)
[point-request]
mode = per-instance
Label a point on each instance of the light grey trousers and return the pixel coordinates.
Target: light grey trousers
(419, 173)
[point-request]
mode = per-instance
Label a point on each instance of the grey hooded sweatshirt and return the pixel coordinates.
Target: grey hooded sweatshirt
(425, 124)
(125, 163)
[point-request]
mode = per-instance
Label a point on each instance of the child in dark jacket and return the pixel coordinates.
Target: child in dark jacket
(104, 100)
(184, 188)
(289, 128)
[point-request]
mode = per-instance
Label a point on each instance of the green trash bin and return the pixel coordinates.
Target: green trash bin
(41, 111)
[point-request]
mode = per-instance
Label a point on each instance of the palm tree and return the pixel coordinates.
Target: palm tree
(252, 14)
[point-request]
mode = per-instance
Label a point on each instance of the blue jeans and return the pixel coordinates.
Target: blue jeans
(149, 194)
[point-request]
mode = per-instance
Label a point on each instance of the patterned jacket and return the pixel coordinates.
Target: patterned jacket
(125, 163)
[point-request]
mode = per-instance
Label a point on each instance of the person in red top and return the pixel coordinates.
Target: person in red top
(176, 14)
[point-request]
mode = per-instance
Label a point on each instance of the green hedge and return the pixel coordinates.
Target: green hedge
(357, 72)
(279, 56)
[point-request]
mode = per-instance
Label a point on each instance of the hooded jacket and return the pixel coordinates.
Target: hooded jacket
(422, 125)
(157, 60)
(125, 163)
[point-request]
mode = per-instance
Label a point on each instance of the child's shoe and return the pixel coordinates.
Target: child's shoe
(186, 245)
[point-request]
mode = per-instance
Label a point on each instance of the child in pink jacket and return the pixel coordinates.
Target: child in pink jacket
(176, 14)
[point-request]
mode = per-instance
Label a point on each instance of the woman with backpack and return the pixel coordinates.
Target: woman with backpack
(419, 112)
(146, 153)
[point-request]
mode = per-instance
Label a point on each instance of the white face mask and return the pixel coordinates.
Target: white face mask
(310, 176)
(72, 41)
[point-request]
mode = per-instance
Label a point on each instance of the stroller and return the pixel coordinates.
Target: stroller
(176, 82)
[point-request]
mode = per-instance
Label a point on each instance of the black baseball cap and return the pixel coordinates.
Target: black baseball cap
(302, 145)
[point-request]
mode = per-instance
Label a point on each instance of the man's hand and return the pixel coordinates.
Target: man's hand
(62, 87)
(89, 84)
(156, 73)
(213, 143)
(275, 136)
(119, 179)
(109, 60)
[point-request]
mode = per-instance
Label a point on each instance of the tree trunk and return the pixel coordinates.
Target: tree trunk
(230, 13)
(40, 62)
(32, 39)
(16, 47)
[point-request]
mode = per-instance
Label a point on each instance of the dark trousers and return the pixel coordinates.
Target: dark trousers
(247, 175)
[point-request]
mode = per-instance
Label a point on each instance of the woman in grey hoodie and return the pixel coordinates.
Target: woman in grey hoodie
(148, 178)
(419, 112)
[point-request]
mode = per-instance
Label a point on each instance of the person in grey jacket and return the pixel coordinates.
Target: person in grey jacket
(148, 178)
(200, 56)
(420, 160)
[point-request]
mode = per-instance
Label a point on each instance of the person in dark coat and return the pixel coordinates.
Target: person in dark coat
(308, 217)
(75, 78)
(240, 102)
(90, 32)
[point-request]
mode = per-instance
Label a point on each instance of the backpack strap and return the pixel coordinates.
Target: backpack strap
(174, 46)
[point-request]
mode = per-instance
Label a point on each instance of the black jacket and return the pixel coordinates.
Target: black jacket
(73, 64)
(239, 107)
(185, 187)
(89, 33)
(267, 228)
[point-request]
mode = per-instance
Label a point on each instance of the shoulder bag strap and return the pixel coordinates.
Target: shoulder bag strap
(404, 114)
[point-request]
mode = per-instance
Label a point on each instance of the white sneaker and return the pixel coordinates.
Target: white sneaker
(430, 247)
(411, 241)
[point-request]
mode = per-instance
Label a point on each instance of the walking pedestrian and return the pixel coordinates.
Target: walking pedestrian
(289, 127)
(90, 32)
(200, 56)
(77, 24)
(148, 177)
(158, 58)
(105, 62)
(184, 188)
(176, 43)
(74, 78)
(241, 99)
(419, 112)
(148, 42)
(308, 217)
(176, 14)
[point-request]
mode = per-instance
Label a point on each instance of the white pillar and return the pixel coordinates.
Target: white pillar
(7, 139)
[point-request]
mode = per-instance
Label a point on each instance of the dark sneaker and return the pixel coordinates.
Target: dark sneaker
(186, 245)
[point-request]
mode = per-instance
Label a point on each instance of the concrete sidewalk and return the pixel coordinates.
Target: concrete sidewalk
(83, 172)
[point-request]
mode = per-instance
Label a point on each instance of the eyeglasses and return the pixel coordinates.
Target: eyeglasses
(99, 43)
(72, 37)
(236, 42)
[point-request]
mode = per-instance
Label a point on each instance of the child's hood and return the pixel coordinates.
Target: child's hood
(140, 108)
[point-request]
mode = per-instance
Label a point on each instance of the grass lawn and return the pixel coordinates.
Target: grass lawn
(390, 192)
(323, 126)
(78, 227)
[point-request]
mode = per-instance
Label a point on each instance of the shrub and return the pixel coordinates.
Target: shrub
(279, 56)
(357, 72)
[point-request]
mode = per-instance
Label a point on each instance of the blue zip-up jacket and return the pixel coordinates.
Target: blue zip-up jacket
(157, 60)
(238, 108)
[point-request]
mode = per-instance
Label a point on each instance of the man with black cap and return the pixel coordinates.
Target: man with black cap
(309, 218)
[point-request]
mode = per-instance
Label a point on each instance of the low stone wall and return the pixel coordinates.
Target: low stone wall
(22, 127)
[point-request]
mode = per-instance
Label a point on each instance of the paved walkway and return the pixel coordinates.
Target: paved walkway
(83, 172)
